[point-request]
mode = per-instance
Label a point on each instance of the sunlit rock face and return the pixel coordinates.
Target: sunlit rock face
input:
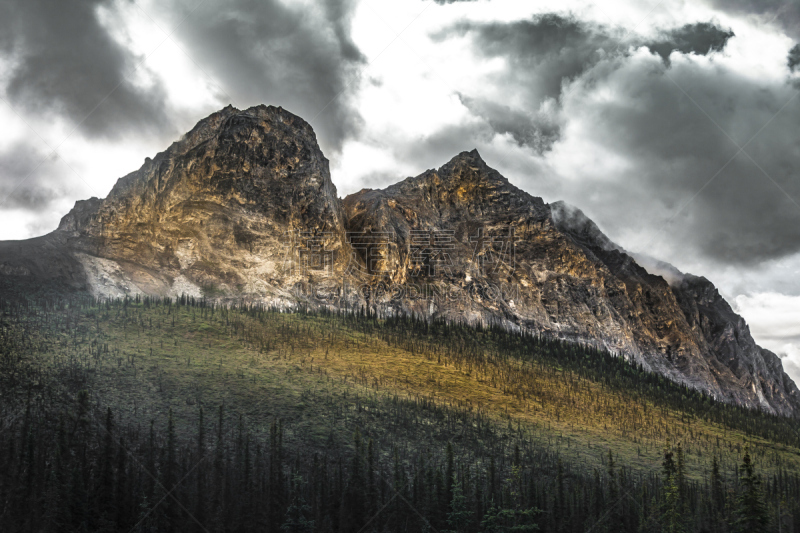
(547, 268)
(221, 211)
(243, 207)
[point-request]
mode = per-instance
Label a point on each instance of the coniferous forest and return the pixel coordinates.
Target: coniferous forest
(147, 414)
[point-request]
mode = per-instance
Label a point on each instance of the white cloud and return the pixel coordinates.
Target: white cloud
(774, 321)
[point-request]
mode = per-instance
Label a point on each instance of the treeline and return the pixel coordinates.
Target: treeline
(475, 344)
(459, 341)
(66, 464)
(73, 471)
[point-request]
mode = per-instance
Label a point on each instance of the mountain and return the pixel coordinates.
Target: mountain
(243, 207)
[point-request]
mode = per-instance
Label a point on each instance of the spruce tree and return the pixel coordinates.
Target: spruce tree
(672, 521)
(200, 507)
(717, 495)
(170, 474)
(297, 514)
(449, 473)
(680, 472)
(460, 517)
(121, 496)
(105, 485)
(751, 513)
(354, 496)
(560, 504)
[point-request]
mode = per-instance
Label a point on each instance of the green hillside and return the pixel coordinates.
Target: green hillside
(338, 417)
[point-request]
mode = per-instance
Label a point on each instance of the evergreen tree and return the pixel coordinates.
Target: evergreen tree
(614, 516)
(121, 495)
(751, 513)
(460, 517)
(449, 473)
(297, 514)
(170, 467)
(717, 502)
(672, 520)
(105, 486)
(372, 494)
(200, 507)
(354, 496)
(680, 472)
(560, 505)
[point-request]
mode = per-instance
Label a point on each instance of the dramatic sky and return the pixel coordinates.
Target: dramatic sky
(672, 124)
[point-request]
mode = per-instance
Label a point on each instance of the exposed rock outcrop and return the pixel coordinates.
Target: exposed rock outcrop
(243, 206)
(222, 211)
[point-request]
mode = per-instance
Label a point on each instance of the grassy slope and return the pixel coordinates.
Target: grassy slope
(323, 376)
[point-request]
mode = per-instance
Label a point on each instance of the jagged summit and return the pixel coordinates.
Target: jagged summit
(243, 206)
(464, 186)
(213, 210)
(469, 157)
(464, 168)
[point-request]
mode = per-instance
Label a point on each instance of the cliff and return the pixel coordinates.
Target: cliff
(243, 206)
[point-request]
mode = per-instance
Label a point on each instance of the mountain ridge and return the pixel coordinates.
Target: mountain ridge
(244, 206)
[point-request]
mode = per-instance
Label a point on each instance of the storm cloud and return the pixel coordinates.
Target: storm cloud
(537, 130)
(541, 52)
(29, 178)
(677, 131)
(783, 13)
(793, 61)
(64, 62)
(667, 120)
(699, 38)
(301, 58)
(547, 53)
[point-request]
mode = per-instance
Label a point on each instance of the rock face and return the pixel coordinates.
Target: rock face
(505, 256)
(243, 206)
(221, 211)
(706, 345)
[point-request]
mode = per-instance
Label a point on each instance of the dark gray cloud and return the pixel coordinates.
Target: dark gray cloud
(736, 211)
(542, 54)
(275, 53)
(537, 130)
(783, 13)
(549, 51)
(644, 151)
(28, 178)
(699, 38)
(65, 62)
(793, 61)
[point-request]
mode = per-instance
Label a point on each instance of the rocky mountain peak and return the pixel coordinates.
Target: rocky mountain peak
(218, 209)
(243, 206)
(468, 166)
(465, 172)
(255, 139)
(463, 187)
